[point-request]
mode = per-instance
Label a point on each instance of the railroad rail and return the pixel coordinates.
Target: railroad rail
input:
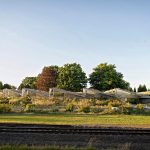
(54, 129)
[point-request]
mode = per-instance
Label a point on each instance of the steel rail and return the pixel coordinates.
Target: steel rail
(74, 130)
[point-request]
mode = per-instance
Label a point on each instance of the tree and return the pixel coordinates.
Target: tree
(1, 85)
(71, 77)
(28, 82)
(47, 79)
(142, 88)
(8, 86)
(105, 77)
(130, 89)
(134, 90)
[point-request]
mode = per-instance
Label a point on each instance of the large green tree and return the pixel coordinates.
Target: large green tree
(48, 78)
(71, 77)
(28, 82)
(105, 77)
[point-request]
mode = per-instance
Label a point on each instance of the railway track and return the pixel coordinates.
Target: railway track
(54, 129)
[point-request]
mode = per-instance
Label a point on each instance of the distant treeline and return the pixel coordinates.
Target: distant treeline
(72, 77)
(6, 86)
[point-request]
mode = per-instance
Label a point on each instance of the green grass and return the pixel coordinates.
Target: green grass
(78, 119)
(41, 148)
(124, 147)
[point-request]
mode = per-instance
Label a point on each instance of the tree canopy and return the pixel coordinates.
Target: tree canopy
(105, 77)
(134, 90)
(71, 77)
(142, 88)
(48, 78)
(28, 82)
(6, 86)
(1, 85)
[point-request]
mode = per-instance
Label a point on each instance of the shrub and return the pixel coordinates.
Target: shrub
(43, 101)
(139, 108)
(14, 101)
(85, 109)
(126, 109)
(83, 106)
(96, 109)
(107, 111)
(133, 100)
(115, 103)
(26, 100)
(4, 100)
(30, 108)
(93, 102)
(70, 107)
(54, 109)
(104, 102)
(5, 108)
(21, 101)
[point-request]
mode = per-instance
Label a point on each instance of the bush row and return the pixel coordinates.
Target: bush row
(26, 104)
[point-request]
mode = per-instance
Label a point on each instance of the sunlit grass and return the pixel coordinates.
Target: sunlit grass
(41, 148)
(77, 119)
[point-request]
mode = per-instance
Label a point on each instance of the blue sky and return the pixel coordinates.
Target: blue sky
(37, 33)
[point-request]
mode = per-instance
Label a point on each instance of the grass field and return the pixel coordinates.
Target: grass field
(78, 119)
(125, 147)
(41, 148)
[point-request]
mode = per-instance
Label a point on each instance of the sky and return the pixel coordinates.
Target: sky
(38, 33)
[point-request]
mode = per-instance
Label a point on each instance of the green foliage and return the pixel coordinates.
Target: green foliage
(105, 77)
(85, 109)
(28, 82)
(4, 100)
(1, 85)
(21, 101)
(48, 78)
(142, 88)
(30, 108)
(7, 86)
(96, 109)
(25, 100)
(134, 90)
(70, 107)
(133, 100)
(5, 108)
(71, 77)
(126, 109)
(42, 148)
(54, 109)
(130, 89)
(139, 108)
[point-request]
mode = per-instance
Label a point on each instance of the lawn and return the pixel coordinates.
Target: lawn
(78, 119)
(41, 148)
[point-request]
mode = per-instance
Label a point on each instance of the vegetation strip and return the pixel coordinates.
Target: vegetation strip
(78, 119)
(41, 148)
